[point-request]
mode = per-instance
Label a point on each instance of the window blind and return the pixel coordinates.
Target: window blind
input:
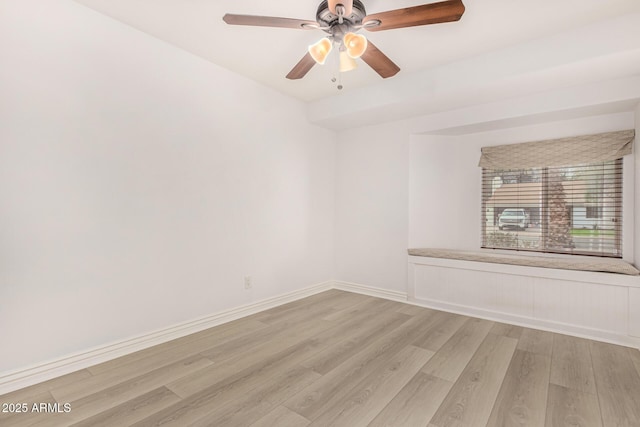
(575, 150)
(544, 197)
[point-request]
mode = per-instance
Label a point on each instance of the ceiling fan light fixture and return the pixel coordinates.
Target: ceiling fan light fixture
(355, 44)
(320, 51)
(347, 63)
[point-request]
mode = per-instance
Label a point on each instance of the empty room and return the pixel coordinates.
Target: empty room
(407, 213)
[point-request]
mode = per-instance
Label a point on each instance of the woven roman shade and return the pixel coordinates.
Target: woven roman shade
(576, 150)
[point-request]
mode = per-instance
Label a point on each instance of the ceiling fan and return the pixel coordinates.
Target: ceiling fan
(342, 19)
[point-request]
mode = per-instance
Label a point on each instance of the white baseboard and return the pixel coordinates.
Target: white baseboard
(15, 380)
(371, 291)
(545, 325)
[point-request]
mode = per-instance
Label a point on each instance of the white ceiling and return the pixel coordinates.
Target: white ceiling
(267, 54)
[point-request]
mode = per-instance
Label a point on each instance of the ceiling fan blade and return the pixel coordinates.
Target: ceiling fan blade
(434, 13)
(302, 68)
(269, 21)
(379, 61)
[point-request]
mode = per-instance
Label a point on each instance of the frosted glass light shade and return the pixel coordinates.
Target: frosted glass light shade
(356, 44)
(347, 63)
(348, 5)
(320, 50)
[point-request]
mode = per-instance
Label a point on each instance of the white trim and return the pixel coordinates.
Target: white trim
(527, 322)
(371, 291)
(15, 380)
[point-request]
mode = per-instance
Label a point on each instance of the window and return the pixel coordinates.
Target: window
(532, 200)
(572, 209)
(594, 212)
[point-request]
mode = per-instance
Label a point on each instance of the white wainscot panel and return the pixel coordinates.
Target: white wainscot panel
(590, 305)
(495, 292)
(634, 312)
(599, 306)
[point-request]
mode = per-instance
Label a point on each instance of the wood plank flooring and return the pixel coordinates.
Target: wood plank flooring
(344, 359)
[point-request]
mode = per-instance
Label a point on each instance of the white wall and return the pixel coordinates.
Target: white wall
(139, 184)
(371, 207)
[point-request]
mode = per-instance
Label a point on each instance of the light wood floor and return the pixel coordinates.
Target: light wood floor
(343, 359)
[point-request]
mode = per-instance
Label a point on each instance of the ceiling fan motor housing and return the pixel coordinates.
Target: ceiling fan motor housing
(328, 20)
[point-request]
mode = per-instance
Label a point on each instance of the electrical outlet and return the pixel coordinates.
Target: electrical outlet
(247, 282)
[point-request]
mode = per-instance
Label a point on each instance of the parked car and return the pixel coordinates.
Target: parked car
(516, 218)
